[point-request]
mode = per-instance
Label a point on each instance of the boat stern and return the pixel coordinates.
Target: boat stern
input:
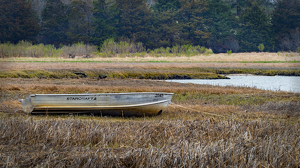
(26, 104)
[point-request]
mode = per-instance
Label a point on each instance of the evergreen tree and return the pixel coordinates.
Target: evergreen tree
(222, 27)
(164, 5)
(240, 4)
(54, 23)
(105, 21)
(134, 20)
(165, 29)
(255, 29)
(268, 6)
(194, 24)
(17, 21)
(286, 24)
(79, 19)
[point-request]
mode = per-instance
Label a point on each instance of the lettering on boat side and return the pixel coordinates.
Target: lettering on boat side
(81, 98)
(159, 95)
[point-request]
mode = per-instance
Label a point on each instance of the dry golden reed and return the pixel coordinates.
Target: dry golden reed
(259, 129)
(161, 143)
(136, 65)
(223, 57)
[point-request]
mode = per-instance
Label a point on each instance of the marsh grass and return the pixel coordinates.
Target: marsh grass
(251, 128)
(254, 71)
(257, 71)
(244, 98)
(160, 73)
(120, 74)
(206, 142)
(60, 56)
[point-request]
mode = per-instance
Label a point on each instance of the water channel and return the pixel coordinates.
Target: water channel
(274, 83)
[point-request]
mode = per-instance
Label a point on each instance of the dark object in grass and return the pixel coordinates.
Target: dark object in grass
(81, 74)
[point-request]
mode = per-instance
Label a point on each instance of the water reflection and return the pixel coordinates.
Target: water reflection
(274, 83)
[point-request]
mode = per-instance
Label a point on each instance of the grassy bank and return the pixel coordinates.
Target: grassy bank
(254, 71)
(262, 57)
(111, 74)
(144, 73)
(207, 126)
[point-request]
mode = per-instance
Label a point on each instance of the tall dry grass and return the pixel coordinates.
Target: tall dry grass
(36, 85)
(207, 132)
(148, 57)
(198, 143)
(92, 66)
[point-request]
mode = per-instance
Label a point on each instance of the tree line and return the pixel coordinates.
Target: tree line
(222, 25)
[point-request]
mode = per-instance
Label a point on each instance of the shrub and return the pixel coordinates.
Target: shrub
(203, 50)
(261, 47)
(26, 49)
(79, 49)
(123, 47)
(175, 49)
(229, 52)
(109, 46)
(36, 50)
(4, 50)
(209, 51)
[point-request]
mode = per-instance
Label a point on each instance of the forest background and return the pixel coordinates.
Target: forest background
(221, 25)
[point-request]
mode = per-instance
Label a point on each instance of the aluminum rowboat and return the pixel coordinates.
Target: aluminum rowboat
(112, 104)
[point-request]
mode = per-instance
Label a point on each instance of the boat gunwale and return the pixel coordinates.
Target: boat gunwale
(103, 107)
(95, 94)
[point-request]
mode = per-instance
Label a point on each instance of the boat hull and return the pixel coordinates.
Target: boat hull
(112, 104)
